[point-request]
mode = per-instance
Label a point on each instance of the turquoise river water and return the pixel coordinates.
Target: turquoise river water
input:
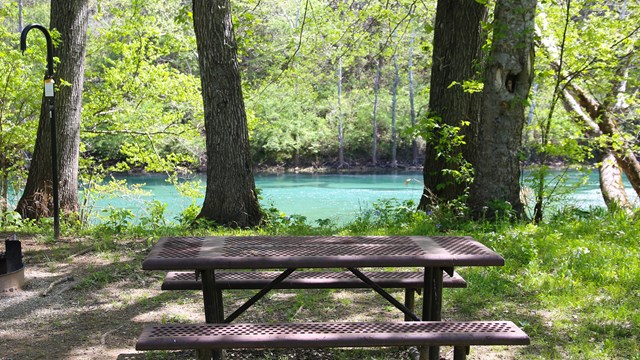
(338, 197)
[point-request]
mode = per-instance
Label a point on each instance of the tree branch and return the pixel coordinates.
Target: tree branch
(132, 132)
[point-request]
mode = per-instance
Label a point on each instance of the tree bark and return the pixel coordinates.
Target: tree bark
(611, 184)
(70, 19)
(508, 77)
(19, 16)
(457, 49)
(394, 114)
(230, 197)
(341, 161)
(412, 106)
(376, 91)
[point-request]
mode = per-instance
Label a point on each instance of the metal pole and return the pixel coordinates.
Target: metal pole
(49, 94)
(54, 168)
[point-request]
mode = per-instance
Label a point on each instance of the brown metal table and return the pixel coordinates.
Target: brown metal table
(435, 254)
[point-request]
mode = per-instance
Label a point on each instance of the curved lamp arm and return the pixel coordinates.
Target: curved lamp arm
(47, 35)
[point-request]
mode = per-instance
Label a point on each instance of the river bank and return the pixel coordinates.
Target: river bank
(336, 168)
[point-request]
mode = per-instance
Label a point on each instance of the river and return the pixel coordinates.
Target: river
(338, 197)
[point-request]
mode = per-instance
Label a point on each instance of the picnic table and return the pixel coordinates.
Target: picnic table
(435, 254)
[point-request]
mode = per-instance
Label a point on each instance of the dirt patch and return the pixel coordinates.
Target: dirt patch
(98, 300)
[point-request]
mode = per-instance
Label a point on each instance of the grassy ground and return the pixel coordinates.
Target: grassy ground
(572, 283)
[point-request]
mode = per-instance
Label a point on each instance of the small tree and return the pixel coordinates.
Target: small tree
(18, 110)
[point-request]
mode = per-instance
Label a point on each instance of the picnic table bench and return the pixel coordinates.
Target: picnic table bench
(216, 259)
(411, 281)
(460, 335)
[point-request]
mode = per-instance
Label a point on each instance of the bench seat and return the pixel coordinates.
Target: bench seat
(461, 335)
(307, 280)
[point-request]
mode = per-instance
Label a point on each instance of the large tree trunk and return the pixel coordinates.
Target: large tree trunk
(508, 77)
(69, 18)
(457, 46)
(230, 197)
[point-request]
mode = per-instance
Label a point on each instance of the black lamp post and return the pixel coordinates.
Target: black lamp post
(49, 95)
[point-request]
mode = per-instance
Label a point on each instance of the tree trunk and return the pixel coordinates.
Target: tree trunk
(340, 125)
(412, 107)
(508, 78)
(457, 49)
(230, 197)
(69, 18)
(376, 91)
(4, 185)
(611, 184)
(19, 16)
(4, 203)
(622, 150)
(394, 114)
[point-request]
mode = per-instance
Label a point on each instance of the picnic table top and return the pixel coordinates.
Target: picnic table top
(271, 252)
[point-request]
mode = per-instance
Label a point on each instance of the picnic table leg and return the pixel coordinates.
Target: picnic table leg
(460, 352)
(213, 310)
(436, 307)
(409, 302)
(432, 306)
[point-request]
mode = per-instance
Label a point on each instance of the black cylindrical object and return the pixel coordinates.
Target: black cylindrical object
(13, 255)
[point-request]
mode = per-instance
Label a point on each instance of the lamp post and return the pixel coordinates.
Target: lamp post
(49, 95)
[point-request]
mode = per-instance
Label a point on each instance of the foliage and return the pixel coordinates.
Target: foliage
(570, 281)
(295, 102)
(278, 223)
(142, 104)
(387, 215)
(588, 56)
(20, 83)
(447, 142)
(95, 187)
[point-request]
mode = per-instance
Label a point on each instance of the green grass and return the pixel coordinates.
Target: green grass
(573, 284)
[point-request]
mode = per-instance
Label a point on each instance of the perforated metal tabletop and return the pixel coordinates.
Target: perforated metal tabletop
(266, 252)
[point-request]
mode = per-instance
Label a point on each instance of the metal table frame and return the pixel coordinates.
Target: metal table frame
(435, 254)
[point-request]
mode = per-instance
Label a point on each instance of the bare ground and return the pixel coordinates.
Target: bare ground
(97, 302)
